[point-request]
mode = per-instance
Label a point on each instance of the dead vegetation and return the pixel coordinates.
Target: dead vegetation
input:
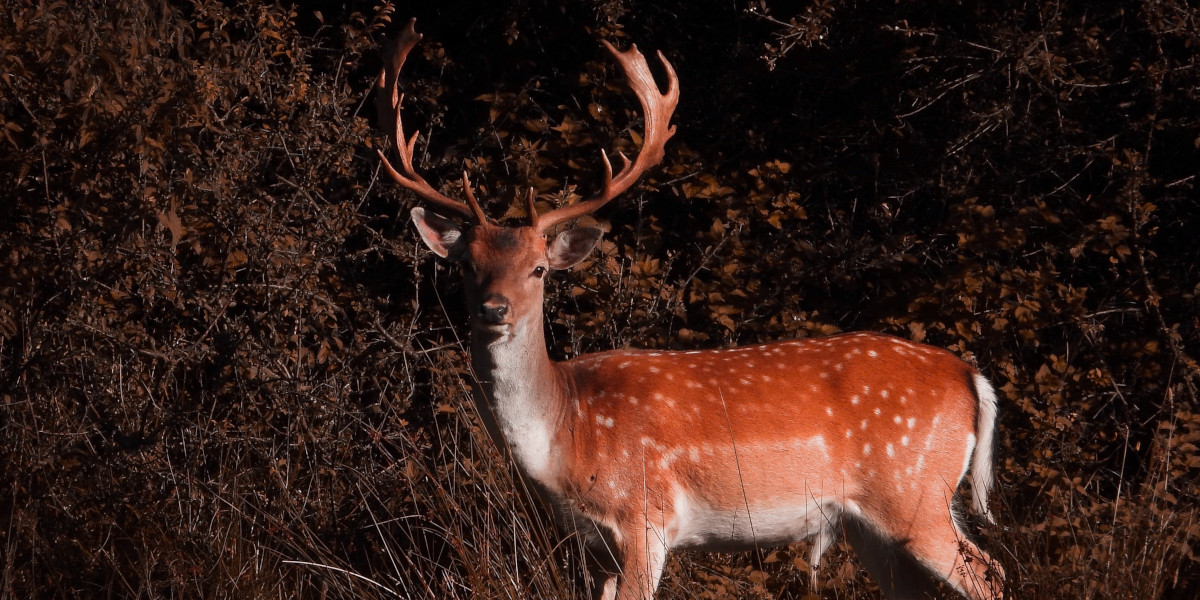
(227, 371)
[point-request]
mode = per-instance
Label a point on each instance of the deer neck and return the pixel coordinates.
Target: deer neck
(520, 391)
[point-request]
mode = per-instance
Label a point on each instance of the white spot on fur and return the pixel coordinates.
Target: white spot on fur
(817, 443)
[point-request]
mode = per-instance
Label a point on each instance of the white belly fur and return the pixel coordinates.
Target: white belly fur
(699, 526)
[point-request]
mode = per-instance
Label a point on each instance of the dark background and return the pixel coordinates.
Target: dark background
(228, 369)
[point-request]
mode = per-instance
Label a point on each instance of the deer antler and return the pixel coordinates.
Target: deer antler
(657, 107)
(387, 104)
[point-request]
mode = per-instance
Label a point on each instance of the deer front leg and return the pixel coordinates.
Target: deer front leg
(602, 569)
(643, 552)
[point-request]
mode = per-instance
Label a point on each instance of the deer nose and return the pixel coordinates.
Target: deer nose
(493, 310)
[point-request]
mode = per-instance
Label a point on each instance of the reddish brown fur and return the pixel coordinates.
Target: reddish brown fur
(739, 413)
(763, 395)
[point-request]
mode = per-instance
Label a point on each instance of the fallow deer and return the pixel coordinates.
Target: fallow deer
(862, 434)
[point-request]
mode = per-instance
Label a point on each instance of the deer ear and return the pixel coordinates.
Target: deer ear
(572, 246)
(440, 234)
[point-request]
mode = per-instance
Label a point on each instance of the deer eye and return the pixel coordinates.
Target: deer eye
(539, 271)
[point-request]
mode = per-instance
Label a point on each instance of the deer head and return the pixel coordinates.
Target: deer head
(506, 266)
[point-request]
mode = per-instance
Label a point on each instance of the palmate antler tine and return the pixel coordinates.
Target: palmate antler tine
(387, 104)
(657, 108)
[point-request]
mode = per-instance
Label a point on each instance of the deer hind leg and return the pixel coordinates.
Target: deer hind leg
(934, 543)
(966, 566)
(894, 569)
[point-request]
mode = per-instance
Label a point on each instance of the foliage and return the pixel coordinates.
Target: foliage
(226, 370)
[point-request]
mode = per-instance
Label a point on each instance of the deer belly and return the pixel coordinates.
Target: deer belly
(698, 525)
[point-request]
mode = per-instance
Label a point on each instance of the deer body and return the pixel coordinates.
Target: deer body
(758, 445)
(754, 446)
(643, 451)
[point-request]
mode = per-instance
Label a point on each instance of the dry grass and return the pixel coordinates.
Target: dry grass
(227, 371)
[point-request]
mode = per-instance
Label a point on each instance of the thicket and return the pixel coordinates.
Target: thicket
(227, 369)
